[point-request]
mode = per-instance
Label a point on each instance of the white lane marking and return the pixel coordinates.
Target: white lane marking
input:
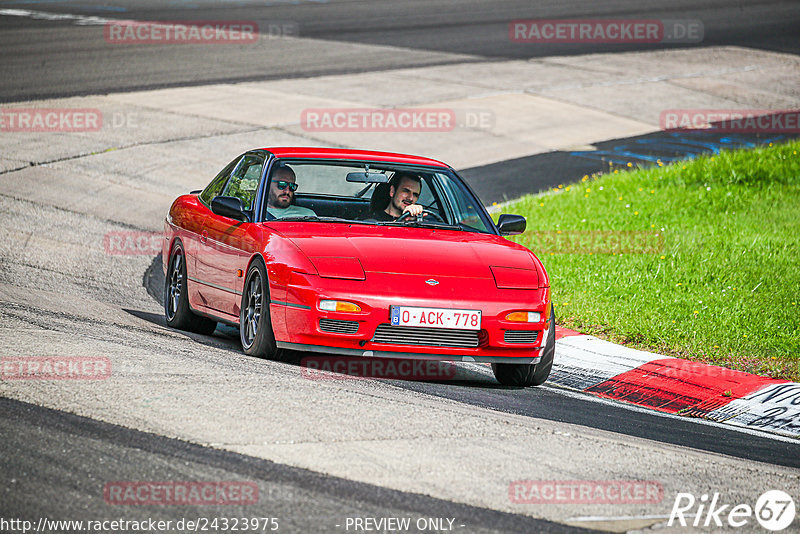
(79, 20)
(82, 20)
(620, 517)
(486, 371)
(577, 394)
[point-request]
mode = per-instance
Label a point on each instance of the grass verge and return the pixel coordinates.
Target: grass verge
(698, 259)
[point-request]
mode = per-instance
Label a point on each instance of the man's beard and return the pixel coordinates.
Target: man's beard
(282, 201)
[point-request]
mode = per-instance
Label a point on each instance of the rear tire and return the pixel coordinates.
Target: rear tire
(177, 312)
(255, 324)
(524, 375)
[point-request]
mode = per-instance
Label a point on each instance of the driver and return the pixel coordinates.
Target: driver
(404, 190)
(282, 186)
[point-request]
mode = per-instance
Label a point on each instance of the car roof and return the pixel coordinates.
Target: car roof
(345, 153)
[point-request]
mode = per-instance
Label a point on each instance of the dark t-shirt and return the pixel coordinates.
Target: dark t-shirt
(381, 216)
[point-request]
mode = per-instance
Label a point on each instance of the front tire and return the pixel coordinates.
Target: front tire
(176, 297)
(524, 375)
(255, 324)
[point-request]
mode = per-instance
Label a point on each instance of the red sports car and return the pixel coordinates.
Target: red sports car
(357, 253)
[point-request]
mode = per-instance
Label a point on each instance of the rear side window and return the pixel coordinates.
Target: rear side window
(215, 187)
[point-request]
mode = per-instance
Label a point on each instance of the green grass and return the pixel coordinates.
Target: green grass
(713, 274)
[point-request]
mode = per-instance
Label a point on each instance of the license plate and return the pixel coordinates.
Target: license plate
(436, 317)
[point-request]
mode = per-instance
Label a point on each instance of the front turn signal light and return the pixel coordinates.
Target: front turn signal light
(524, 317)
(339, 306)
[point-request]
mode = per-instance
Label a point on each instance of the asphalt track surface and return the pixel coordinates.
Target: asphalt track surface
(54, 58)
(74, 458)
(63, 473)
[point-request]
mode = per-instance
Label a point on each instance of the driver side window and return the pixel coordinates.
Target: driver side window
(213, 189)
(244, 181)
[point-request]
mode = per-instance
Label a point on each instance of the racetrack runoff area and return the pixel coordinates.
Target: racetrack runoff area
(63, 293)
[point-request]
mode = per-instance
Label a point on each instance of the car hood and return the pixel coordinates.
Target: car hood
(404, 250)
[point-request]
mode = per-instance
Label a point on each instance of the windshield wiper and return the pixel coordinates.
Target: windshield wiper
(461, 227)
(299, 218)
(321, 219)
(422, 224)
(468, 228)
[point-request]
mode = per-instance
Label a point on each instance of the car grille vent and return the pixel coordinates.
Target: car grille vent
(520, 336)
(337, 326)
(432, 337)
(483, 338)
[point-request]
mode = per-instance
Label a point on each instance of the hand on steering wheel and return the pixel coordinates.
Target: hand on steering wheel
(407, 215)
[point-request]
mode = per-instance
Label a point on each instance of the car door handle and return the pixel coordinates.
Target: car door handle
(204, 237)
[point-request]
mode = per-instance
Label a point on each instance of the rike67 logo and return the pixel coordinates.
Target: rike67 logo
(774, 510)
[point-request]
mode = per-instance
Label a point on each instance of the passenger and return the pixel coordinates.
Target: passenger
(282, 186)
(404, 190)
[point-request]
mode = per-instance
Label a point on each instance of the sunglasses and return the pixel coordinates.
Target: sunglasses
(282, 184)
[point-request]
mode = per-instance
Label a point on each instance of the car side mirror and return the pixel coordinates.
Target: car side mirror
(511, 224)
(230, 207)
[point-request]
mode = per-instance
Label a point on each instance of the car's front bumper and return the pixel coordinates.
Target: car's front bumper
(296, 320)
(407, 355)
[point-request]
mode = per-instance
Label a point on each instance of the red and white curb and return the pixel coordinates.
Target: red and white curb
(674, 385)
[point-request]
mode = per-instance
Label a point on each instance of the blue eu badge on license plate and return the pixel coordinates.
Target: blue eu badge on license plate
(395, 310)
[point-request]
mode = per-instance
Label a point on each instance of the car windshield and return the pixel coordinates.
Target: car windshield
(372, 194)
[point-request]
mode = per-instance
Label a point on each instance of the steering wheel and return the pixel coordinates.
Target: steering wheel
(406, 215)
